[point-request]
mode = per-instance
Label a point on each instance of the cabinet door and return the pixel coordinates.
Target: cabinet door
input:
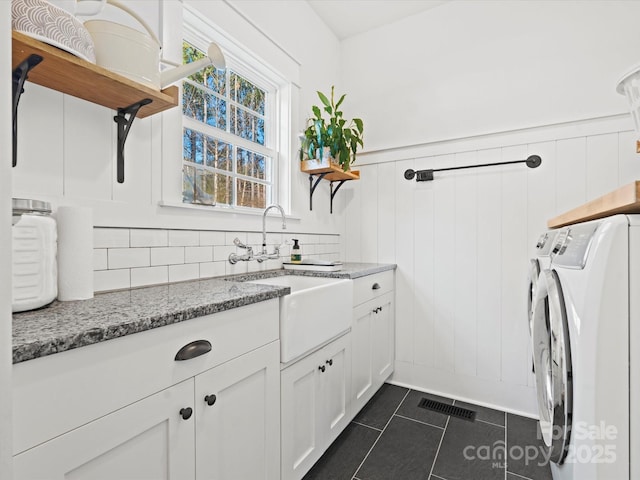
(238, 418)
(361, 340)
(335, 389)
(383, 340)
(148, 439)
(300, 409)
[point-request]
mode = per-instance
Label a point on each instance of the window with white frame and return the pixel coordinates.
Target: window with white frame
(230, 137)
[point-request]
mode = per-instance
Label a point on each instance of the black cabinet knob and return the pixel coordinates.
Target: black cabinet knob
(186, 413)
(322, 368)
(210, 399)
(330, 361)
(375, 286)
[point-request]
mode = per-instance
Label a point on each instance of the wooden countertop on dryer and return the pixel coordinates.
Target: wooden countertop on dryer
(625, 199)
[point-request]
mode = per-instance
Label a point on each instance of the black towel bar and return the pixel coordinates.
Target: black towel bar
(533, 161)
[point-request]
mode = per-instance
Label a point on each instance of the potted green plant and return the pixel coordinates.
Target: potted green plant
(333, 137)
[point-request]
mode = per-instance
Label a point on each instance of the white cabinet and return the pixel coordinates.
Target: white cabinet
(373, 339)
(237, 414)
(314, 405)
(147, 440)
(127, 409)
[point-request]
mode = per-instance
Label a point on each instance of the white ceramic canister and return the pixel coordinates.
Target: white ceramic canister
(35, 272)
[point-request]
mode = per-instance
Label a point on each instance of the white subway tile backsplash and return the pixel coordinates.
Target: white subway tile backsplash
(212, 238)
(183, 238)
(180, 273)
(167, 256)
(231, 236)
(147, 237)
(212, 269)
(198, 254)
(104, 280)
(149, 276)
(110, 237)
(221, 253)
(127, 257)
(100, 259)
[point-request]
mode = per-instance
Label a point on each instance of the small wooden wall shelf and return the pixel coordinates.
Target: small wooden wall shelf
(326, 170)
(69, 74)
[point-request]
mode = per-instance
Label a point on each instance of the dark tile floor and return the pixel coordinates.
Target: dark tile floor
(394, 439)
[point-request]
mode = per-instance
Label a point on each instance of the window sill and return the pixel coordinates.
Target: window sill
(221, 209)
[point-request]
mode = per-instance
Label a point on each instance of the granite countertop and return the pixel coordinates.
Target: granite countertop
(64, 326)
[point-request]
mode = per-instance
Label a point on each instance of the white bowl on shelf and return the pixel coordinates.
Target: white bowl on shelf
(50, 24)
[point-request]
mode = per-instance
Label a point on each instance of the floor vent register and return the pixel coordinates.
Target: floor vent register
(447, 409)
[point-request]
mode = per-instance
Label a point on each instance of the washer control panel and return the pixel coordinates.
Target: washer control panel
(571, 247)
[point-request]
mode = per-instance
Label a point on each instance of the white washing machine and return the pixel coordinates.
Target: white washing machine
(539, 262)
(586, 342)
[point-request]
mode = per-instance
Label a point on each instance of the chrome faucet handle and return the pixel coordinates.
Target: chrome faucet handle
(238, 243)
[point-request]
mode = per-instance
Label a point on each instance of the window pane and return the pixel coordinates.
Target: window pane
(218, 153)
(188, 182)
(204, 191)
(247, 125)
(252, 164)
(247, 94)
(192, 146)
(223, 185)
(251, 194)
(216, 112)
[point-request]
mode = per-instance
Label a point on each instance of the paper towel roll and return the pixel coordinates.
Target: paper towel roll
(75, 253)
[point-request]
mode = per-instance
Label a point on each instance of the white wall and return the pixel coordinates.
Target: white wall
(477, 72)
(475, 67)
(67, 146)
(5, 241)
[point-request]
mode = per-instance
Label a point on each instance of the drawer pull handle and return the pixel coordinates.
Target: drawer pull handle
(185, 413)
(193, 350)
(210, 399)
(375, 286)
(322, 368)
(330, 361)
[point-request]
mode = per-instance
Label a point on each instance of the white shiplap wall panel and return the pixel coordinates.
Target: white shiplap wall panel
(423, 263)
(369, 220)
(602, 164)
(463, 244)
(353, 218)
(514, 261)
(628, 160)
(464, 264)
(444, 248)
(571, 176)
(407, 250)
(489, 271)
(40, 143)
(88, 128)
(386, 213)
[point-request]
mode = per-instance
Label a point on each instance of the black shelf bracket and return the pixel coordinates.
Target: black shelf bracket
(19, 77)
(313, 186)
(124, 126)
(533, 161)
(334, 191)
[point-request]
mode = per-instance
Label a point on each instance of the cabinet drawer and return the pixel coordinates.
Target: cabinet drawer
(372, 286)
(57, 393)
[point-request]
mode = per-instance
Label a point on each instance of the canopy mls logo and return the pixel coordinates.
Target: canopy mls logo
(596, 444)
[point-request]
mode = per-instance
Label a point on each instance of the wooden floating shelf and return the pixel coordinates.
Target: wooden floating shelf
(74, 76)
(334, 173)
(623, 200)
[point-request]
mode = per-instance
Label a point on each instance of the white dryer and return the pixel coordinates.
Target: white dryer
(586, 317)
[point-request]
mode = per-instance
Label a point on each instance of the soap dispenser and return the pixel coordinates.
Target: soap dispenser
(296, 253)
